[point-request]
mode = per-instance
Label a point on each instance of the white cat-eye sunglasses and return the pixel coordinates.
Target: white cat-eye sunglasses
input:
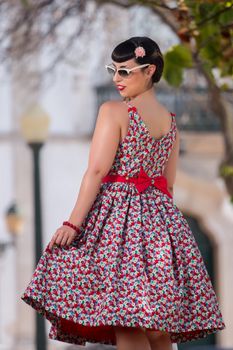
(123, 72)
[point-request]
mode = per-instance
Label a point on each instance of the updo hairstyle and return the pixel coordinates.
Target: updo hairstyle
(125, 51)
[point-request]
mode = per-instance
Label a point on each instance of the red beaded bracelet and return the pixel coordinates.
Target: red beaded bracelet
(76, 228)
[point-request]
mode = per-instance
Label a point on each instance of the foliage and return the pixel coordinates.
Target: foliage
(206, 29)
(176, 59)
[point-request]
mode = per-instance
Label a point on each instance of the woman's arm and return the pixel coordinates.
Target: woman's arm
(102, 153)
(171, 166)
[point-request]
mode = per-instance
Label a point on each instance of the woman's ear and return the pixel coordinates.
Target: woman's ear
(151, 70)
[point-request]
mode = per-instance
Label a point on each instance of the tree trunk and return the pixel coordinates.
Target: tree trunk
(226, 166)
(224, 111)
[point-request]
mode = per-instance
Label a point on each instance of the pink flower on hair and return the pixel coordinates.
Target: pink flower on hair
(139, 51)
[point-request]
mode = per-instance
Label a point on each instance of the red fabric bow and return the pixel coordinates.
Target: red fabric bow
(142, 181)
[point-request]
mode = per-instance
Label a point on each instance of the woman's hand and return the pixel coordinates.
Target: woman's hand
(63, 236)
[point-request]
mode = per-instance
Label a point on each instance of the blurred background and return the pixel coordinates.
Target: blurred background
(52, 82)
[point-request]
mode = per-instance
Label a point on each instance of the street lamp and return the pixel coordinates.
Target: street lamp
(14, 224)
(34, 127)
(14, 221)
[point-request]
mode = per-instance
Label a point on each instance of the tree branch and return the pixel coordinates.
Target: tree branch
(207, 19)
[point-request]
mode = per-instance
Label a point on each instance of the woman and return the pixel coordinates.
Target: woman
(125, 268)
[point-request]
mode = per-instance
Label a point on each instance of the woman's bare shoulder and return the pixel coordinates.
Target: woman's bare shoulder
(163, 109)
(116, 109)
(114, 105)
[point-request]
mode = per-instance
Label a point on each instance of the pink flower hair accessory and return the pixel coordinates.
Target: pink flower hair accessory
(139, 51)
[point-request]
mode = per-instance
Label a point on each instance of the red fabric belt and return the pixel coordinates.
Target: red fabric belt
(142, 181)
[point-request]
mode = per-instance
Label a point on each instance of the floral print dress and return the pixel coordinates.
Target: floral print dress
(136, 262)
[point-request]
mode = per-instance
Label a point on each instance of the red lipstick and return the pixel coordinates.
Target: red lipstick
(120, 87)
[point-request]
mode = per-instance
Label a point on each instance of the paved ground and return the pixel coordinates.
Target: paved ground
(90, 346)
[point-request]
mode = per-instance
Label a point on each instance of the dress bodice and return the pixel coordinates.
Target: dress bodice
(140, 149)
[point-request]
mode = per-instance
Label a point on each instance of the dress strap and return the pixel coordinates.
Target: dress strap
(132, 122)
(128, 104)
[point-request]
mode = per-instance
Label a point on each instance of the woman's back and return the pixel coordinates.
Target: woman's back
(154, 115)
(139, 147)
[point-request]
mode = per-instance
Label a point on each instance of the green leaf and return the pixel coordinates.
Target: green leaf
(209, 30)
(226, 69)
(211, 52)
(25, 3)
(228, 3)
(208, 9)
(180, 56)
(226, 170)
(224, 87)
(191, 4)
(226, 17)
(172, 74)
